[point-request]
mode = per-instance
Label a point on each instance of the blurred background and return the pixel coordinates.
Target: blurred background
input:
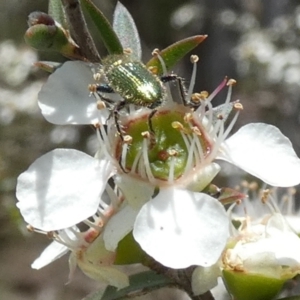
(256, 42)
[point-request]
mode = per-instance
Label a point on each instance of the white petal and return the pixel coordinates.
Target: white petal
(61, 188)
(179, 228)
(97, 263)
(203, 177)
(65, 98)
(263, 151)
(135, 191)
(118, 227)
(53, 252)
(204, 279)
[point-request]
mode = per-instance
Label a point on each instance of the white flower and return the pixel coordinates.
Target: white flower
(264, 245)
(180, 162)
(55, 206)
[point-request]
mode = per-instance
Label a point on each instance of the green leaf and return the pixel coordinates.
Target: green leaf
(108, 36)
(126, 30)
(148, 280)
(56, 11)
(129, 251)
(175, 52)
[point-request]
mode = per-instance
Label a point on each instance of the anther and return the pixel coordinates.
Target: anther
(196, 98)
(173, 152)
(265, 195)
(155, 52)
(194, 58)
(146, 134)
(97, 76)
(177, 125)
(92, 88)
(50, 234)
(127, 139)
(238, 202)
(188, 117)
(97, 125)
(231, 82)
(238, 106)
(100, 105)
(196, 130)
(30, 228)
(253, 186)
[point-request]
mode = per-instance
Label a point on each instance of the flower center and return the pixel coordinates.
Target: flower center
(178, 144)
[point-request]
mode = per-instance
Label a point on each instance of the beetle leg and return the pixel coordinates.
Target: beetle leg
(150, 125)
(181, 86)
(115, 112)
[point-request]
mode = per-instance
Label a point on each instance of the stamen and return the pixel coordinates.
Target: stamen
(188, 117)
(127, 139)
(115, 200)
(173, 154)
(104, 143)
(185, 139)
(191, 149)
(92, 88)
(169, 98)
(200, 157)
(156, 53)
(194, 60)
(238, 107)
(100, 105)
(97, 76)
(146, 140)
(31, 229)
(92, 225)
(136, 161)
(217, 90)
(209, 113)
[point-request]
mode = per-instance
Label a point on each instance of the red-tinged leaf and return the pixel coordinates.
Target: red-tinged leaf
(175, 52)
(229, 195)
(225, 195)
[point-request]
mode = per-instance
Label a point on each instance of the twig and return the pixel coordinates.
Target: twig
(79, 29)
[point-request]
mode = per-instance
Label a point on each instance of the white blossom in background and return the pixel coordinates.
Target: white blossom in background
(259, 149)
(264, 244)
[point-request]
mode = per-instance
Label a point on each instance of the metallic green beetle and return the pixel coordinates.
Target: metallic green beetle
(134, 83)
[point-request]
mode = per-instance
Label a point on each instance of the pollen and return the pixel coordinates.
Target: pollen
(100, 105)
(127, 139)
(92, 88)
(155, 52)
(231, 82)
(238, 106)
(194, 58)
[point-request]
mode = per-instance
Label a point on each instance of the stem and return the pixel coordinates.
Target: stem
(182, 278)
(79, 30)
